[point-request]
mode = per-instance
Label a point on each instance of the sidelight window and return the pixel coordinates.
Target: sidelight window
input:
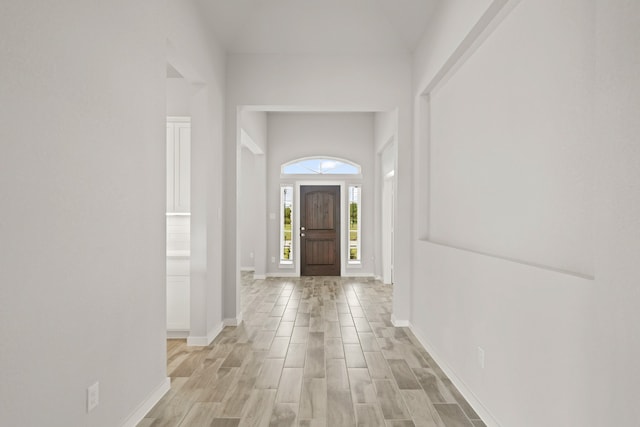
(286, 223)
(355, 213)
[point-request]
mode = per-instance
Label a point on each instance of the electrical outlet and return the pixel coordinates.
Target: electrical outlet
(481, 357)
(93, 396)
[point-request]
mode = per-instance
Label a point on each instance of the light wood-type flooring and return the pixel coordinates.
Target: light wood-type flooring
(312, 351)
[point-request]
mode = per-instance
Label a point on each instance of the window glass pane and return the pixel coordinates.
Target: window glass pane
(286, 221)
(320, 166)
(354, 224)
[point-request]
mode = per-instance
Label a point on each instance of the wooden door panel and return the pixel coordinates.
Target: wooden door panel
(318, 213)
(320, 230)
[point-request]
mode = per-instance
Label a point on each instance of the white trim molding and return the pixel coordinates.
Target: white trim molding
(282, 274)
(232, 321)
(146, 405)
(259, 276)
(400, 323)
(177, 333)
(200, 341)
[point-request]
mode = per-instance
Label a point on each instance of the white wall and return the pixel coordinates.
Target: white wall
(343, 135)
(522, 107)
(178, 97)
(612, 312)
(196, 56)
(253, 192)
(319, 83)
(247, 209)
(385, 134)
(82, 200)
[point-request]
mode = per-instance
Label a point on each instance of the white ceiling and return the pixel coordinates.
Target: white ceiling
(318, 26)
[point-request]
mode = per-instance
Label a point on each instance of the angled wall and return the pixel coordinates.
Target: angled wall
(526, 148)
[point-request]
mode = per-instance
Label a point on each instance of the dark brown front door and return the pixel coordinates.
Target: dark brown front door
(320, 230)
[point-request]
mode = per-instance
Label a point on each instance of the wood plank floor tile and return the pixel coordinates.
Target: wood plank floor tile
(277, 311)
(464, 405)
(272, 323)
(452, 415)
(354, 356)
(349, 335)
(391, 402)
(285, 329)
(219, 385)
(431, 384)
(421, 409)
(333, 348)
(362, 389)
(225, 422)
(314, 366)
(289, 314)
(378, 366)
(362, 324)
(269, 376)
(341, 412)
(279, 348)
(413, 357)
(296, 355)
(290, 386)
(332, 329)
(236, 356)
(337, 377)
(300, 334)
(263, 339)
(313, 399)
(258, 409)
(201, 414)
(368, 341)
(345, 319)
(403, 375)
(312, 352)
(369, 416)
(400, 423)
(316, 422)
(284, 415)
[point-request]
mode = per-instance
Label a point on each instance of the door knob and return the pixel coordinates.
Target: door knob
(301, 234)
(302, 228)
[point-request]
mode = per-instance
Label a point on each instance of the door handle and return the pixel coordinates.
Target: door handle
(301, 234)
(302, 228)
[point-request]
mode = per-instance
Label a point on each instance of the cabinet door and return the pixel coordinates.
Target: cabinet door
(178, 303)
(182, 162)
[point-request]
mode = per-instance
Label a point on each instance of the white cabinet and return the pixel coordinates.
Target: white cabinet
(178, 165)
(178, 294)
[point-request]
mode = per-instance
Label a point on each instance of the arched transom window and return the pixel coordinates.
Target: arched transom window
(320, 166)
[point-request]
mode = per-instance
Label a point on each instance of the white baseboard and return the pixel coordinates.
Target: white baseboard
(259, 276)
(247, 268)
(351, 274)
(232, 321)
(376, 277)
(196, 341)
(400, 323)
(177, 333)
(481, 410)
(283, 274)
(146, 405)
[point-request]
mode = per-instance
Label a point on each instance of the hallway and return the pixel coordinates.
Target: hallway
(312, 351)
